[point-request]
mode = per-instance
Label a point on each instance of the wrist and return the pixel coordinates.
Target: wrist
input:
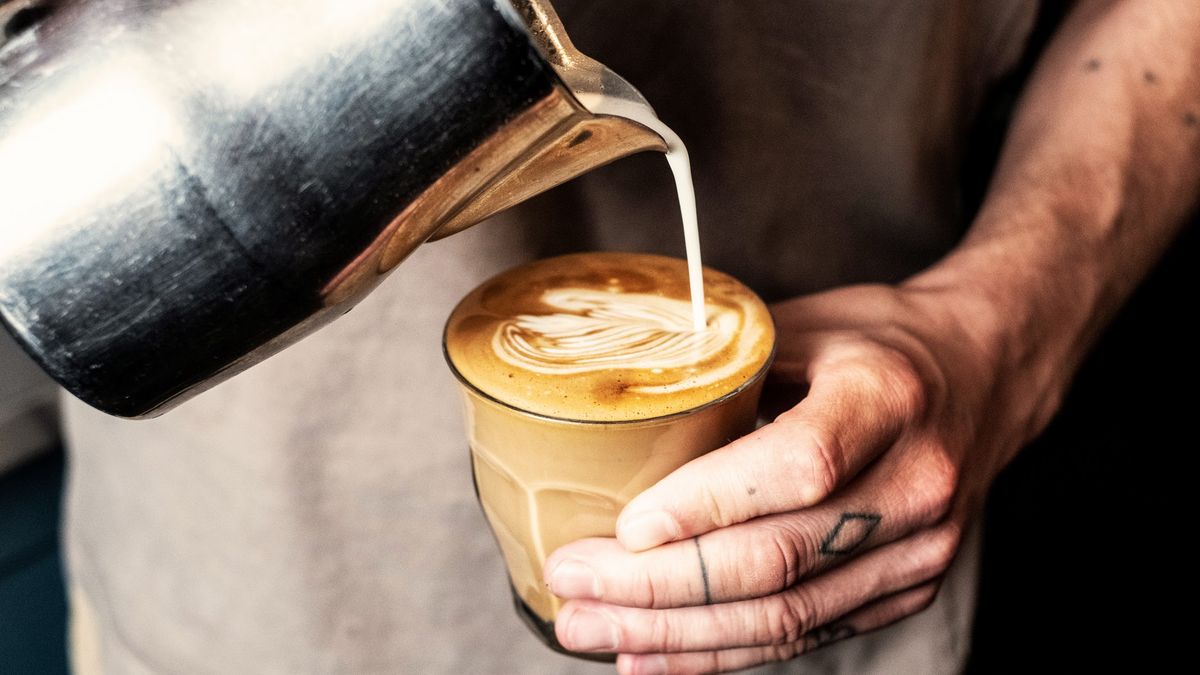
(1027, 316)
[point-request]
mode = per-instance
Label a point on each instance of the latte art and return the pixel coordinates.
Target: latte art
(599, 330)
(607, 337)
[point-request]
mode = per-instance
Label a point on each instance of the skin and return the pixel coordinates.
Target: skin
(842, 515)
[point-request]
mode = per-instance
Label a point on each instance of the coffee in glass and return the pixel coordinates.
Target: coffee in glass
(584, 383)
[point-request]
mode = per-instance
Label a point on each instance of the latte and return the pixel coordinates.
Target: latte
(585, 383)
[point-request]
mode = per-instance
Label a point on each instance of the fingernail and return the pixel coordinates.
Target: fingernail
(572, 579)
(592, 631)
(647, 530)
(653, 664)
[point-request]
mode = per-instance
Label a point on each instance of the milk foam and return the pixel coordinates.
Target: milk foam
(607, 337)
(601, 330)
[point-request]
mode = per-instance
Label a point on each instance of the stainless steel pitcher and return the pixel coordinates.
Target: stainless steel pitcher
(188, 186)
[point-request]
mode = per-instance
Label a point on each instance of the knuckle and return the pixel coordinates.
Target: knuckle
(945, 547)
(660, 632)
(924, 597)
(814, 464)
(890, 376)
(777, 562)
(645, 588)
(784, 652)
(935, 483)
(903, 385)
(785, 618)
(790, 551)
(784, 562)
(717, 514)
(937, 551)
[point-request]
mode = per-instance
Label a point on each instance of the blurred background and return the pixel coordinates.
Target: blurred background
(32, 605)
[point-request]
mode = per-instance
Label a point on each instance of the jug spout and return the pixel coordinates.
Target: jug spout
(607, 121)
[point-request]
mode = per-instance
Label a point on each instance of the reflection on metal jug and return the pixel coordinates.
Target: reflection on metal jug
(189, 186)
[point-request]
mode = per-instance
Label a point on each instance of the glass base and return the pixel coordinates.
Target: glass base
(545, 632)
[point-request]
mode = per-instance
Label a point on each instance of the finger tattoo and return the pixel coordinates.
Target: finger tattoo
(703, 572)
(851, 531)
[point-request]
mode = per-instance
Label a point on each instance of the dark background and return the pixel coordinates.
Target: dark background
(1084, 561)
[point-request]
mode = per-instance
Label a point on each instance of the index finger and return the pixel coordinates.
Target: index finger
(857, 405)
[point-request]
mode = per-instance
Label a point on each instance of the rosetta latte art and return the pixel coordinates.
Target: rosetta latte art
(608, 337)
(599, 330)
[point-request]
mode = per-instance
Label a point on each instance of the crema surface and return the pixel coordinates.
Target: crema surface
(607, 337)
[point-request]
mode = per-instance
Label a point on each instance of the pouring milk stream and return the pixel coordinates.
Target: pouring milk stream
(681, 169)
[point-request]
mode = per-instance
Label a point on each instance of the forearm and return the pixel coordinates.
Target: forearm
(1099, 171)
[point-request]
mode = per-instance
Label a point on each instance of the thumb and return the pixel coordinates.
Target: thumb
(853, 412)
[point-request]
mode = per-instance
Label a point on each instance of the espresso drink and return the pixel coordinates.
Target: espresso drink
(585, 383)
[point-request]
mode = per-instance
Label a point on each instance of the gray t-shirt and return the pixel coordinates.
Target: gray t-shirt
(315, 514)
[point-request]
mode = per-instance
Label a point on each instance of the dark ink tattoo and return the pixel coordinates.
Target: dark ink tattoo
(1190, 119)
(1092, 65)
(1149, 77)
(751, 490)
(827, 634)
(703, 573)
(851, 531)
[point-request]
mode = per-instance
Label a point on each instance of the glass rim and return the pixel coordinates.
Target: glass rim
(750, 381)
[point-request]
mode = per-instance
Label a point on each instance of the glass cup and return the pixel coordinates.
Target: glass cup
(544, 482)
